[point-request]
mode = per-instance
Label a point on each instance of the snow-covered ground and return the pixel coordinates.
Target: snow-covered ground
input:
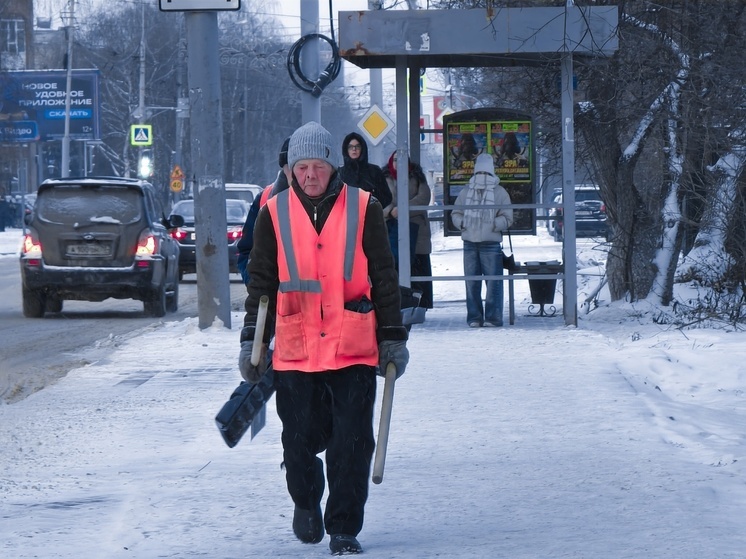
(619, 438)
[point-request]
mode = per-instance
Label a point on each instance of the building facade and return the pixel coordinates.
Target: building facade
(16, 54)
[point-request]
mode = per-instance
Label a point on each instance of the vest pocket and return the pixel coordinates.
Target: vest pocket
(290, 338)
(358, 336)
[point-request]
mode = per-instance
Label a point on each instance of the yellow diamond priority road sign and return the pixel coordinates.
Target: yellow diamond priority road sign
(375, 124)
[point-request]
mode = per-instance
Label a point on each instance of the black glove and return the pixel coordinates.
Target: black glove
(393, 351)
(249, 372)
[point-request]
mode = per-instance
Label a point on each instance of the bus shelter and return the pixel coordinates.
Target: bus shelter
(411, 40)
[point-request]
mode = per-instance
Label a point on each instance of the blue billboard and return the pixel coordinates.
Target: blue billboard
(32, 106)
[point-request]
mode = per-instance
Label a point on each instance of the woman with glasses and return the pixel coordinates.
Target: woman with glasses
(356, 171)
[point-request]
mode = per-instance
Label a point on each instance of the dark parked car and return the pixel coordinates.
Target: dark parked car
(235, 213)
(93, 238)
(590, 214)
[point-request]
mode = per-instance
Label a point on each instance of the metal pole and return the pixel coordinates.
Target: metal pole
(141, 97)
(65, 170)
(309, 24)
(414, 114)
(402, 174)
(213, 281)
(375, 153)
(569, 256)
(182, 112)
(141, 103)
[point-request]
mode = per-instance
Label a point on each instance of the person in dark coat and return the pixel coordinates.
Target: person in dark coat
(246, 242)
(6, 213)
(321, 255)
(357, 171)
(419, 224)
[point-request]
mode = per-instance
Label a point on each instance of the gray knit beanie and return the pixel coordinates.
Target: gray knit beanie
(311, 141)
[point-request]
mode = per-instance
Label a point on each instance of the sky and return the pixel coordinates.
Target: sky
(620, 438)
(288, 12)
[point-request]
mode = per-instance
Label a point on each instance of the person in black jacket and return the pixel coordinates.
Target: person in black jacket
(322, 257)
(356, 171)
(246, 242)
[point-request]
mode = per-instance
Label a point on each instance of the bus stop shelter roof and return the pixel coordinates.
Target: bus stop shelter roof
(478, 37)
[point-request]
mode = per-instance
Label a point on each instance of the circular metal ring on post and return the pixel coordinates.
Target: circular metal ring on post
(328, 75)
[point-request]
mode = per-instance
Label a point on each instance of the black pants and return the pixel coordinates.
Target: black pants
(421, 266)
(330, 411)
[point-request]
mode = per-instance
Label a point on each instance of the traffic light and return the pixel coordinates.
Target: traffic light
(145, 165)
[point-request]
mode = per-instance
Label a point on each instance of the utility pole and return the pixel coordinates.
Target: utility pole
(65, 170)
(213, 275)
(182, 110)
(141, 102)
(569, 247)
(376, 95)
(140, 112)
(309, 24)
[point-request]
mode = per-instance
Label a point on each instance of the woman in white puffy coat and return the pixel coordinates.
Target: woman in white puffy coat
(481, 231)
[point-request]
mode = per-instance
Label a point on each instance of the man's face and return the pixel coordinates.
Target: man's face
(354, 149)
(313, 176)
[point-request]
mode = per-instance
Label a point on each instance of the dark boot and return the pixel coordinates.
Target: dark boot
(344, 544)
(308, 525)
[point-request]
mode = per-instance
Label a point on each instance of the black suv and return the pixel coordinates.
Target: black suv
(590, 214)
(92, 238)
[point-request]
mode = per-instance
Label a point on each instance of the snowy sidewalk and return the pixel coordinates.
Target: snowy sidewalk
(521, 442)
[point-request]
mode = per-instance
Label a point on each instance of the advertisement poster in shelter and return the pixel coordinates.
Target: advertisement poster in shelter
(466, 140)
(511, 150)
(507, 136)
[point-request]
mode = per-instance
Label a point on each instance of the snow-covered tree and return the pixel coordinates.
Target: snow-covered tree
(655, 129)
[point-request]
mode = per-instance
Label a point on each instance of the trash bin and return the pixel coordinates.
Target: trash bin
(542, 290)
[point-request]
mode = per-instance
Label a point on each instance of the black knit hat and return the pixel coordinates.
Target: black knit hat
(284, 152)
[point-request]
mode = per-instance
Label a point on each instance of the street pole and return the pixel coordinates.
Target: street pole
(65, 170)
(182, 113)
(141, 99)
(569, 247)
(376, 96)
(203, 75)
(309, 24)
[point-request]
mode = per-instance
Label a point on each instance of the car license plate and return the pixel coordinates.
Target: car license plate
(583, 213)
(192, 236)
(88, 249)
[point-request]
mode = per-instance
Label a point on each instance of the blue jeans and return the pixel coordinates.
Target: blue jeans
(483, 259)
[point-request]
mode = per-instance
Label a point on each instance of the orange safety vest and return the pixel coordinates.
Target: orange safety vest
(319, 273)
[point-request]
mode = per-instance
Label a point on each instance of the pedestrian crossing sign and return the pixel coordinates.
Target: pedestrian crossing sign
(141, 135)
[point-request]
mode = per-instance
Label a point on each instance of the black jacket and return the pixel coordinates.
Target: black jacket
(358, 172)
(264, 274)
(246, 242)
